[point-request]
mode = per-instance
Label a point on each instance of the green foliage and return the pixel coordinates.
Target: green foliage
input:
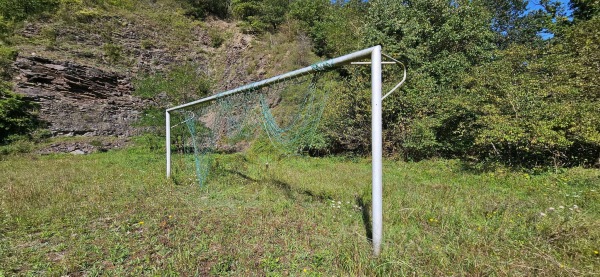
(87, 15)
(201, 8)
(533, 103)
(180, 85)
(259, 15)
(217, 38)
(439, 42)
(540, 106)
(20, 9)
(585, 9)
(113, 52)
(6, 29)
(17, 115)
(513, 23)
(7, 56)
(13, 11)
(17, 145)
(335, 29)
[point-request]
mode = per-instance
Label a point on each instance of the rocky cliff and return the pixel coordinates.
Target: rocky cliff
(80, 72)
(78, 100)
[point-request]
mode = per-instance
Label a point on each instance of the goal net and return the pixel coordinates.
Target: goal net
(287, 109)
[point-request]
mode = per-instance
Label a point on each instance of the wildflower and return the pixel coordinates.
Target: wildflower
(305, 270)
(596, 252)
(542, 214)
(141, 223)
(551, 209)
(575, 207)
(561, 207)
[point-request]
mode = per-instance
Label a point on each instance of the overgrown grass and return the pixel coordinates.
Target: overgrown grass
(115, 213)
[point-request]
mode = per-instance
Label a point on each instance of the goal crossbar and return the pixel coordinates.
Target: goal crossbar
(374, 53)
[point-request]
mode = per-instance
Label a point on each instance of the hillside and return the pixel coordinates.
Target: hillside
(81, 68)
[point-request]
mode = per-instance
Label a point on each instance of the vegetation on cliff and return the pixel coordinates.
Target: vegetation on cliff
(489, 81)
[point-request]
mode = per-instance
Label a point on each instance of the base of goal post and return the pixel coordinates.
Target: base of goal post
(375, 55)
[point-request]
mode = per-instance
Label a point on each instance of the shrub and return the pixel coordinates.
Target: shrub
(199, 9)
(87, 15)
(180, 85)
(216, 37)
(113, 52)
(19, 9)
(17, 115)
(7, 56)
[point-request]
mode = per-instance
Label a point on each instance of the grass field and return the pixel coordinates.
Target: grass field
(116, 214)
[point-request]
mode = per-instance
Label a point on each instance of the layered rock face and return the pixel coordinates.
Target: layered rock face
(79, 100)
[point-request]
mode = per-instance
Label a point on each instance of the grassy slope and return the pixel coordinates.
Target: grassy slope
(114, 213)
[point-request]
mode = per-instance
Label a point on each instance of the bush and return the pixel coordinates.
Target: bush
(113, 52)
(216, 37)
(6, 28)
(17, 10)
(7, 56)
(87, 15)
(17, 145)
(180, 85)
(199, 9)
(259, 15)
(17, 115)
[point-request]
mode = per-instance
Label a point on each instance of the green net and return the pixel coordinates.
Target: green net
(288, 112)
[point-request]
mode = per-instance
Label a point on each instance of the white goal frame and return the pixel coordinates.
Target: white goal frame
(375, 55)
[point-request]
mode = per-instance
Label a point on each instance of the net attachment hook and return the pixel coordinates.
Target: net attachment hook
(403, 78)
(394, 61)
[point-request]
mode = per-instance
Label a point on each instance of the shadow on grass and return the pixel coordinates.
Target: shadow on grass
(366, 217)
(289, 191)
(240, 174)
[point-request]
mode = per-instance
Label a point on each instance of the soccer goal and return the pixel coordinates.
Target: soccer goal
(229, 118)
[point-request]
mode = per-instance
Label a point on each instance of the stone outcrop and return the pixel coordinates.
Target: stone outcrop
(78, 100)
(83, 147)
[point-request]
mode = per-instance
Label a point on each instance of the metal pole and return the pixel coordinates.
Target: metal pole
(168, 142)
(333, 62)
(377, 149)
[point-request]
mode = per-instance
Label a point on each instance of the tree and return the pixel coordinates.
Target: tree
(585, 9)
(512, 22)
(540, 105)
(440, 41)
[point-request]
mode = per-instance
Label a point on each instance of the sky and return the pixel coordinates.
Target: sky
(534, 5)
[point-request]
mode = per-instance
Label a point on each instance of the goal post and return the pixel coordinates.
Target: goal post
(375, 55)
